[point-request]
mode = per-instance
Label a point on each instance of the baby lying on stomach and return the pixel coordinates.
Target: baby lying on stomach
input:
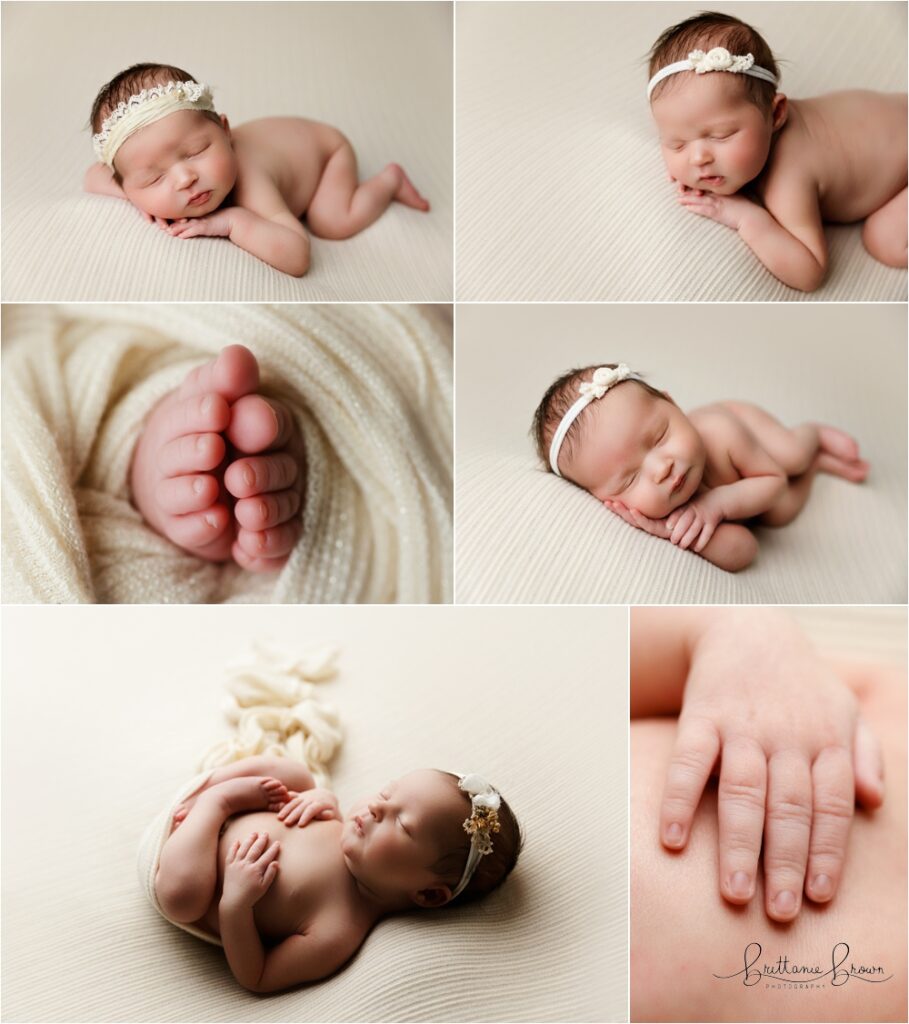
(266, 863)
(162, 146)
(771, 168)
(687, 478)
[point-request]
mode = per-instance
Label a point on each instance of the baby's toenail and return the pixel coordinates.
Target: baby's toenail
(201, 442)
(198, 485)
(212, 520)
(206, 404)
(674, 834)
(822, 885)
(784, 902)
(263, 511)
(249, 477)
(740, 885)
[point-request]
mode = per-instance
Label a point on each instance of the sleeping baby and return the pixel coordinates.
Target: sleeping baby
(161, 145)
(260, 861)
(771, 168)
(688, 478)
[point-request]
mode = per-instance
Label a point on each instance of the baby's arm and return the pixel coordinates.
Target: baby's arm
(731, 547)
(759, 706)
(260, 223)
(787, 236)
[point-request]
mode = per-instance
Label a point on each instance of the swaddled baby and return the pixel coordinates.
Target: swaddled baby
(689, 478)
(263, 862)
(772, 168)
(162, 146)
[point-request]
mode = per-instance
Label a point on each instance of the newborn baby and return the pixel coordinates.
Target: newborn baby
(218, 468)
(292, 904)
(685, 477)
(771, 168)
(162, 146)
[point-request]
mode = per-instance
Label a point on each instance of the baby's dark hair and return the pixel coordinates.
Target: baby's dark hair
(494, 867)
(559, 398)
(704, 31)
(134, 79)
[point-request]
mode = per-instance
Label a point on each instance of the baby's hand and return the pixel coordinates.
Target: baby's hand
(157, 221)
(216, 225)
(786, 733)
(302, 808)
(249, 870)
(694, 523)
(655, 527)
(728, 210)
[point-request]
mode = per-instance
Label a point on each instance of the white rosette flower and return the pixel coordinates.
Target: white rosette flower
(603, 379)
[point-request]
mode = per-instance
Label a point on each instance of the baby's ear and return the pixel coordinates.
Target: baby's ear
(437, 896)
(225, 124)
(779, 111)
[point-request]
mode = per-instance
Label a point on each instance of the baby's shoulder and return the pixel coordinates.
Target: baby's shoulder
(717, 416)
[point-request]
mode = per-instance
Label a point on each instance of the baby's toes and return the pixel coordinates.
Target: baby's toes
(267, 510)
(272, 543)
(197, 530)
(258, 423)
(251, 564)
(261, 474)
(181, 494)
(193, 453)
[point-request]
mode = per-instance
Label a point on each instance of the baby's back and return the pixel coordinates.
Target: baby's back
(292, 151)
(852, 143)
(312, 878)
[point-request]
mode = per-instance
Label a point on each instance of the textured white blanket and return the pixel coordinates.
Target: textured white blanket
(371, 391)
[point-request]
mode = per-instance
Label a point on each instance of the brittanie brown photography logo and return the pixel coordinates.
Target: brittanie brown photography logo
(782, 972)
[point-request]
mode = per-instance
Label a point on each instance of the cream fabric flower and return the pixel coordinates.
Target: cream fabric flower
(603, 379)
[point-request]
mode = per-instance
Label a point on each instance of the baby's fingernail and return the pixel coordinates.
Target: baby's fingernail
(822, 885)
(784, 902)
(674, 834)
(740, 885)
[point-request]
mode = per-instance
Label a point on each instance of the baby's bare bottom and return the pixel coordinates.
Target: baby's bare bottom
(802, 451)
(683, 932)
(342, 206)
(884, 233)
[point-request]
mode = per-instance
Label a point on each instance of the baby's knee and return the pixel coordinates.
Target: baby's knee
(885, 239)
(178, 895)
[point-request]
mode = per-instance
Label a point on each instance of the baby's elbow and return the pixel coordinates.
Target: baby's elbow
(810, 277)
(297, 264)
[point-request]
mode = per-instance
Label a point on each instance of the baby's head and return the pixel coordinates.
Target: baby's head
(608, 431)
(717, 112)
(156, 128)
(419, 841)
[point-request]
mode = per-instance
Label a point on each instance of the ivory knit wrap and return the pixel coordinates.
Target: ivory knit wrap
(370, 387)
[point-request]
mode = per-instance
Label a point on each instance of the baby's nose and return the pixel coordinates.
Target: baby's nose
(185, 175)
(700, 155)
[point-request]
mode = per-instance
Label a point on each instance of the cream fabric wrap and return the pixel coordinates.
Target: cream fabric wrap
(275, 708)
(371, 389)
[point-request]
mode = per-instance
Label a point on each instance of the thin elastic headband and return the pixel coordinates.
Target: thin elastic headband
(717, 59)
(603, 379)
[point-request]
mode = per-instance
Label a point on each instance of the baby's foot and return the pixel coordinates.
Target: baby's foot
(267, 480)
(407, 193)
(247, 793)
(177, 470)
(839, 454)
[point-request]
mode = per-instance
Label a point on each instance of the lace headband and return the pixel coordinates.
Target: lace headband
(480, 826)
(717, 59)
(603, 379)
(144, 108)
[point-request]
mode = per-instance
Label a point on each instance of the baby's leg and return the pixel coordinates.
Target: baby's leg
(268, 485)
(342, 206)
(293, 774)
(177, 469)
(884, 233)
(793, 448)
(188, 865)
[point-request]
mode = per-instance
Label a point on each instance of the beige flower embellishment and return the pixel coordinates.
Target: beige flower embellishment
(603, 379)
(719, 59)
(483, 822)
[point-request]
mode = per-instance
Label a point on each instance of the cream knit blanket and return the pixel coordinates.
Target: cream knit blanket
(371, 389)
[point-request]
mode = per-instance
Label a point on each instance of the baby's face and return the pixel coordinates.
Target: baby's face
(392, 839)
(711, 136)
(638, 449)
(181, 166)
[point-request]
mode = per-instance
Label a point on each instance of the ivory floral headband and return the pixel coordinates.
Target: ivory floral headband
(482, 824)
(717, 59)
(603, 379)
(144, 108)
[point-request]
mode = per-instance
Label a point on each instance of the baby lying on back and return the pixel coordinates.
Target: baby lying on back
(687, 478)
(161, 145)
(771, 168)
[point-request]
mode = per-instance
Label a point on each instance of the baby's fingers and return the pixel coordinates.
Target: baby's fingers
(834, 802)
(696, 748)
(869, 767)
(706, 534)
(787, 832)
(741, 801)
